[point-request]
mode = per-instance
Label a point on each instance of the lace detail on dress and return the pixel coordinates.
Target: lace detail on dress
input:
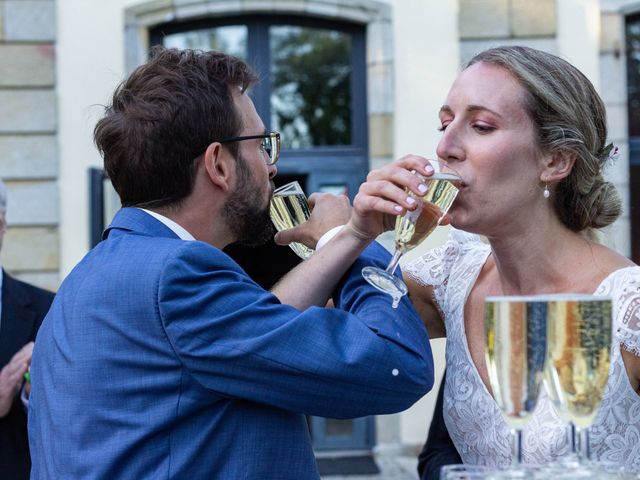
(472, 416)
(628, 329)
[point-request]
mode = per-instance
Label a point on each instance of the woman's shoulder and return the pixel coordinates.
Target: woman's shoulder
(614, 265)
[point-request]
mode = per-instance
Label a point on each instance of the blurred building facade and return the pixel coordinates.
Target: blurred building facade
(352, 84)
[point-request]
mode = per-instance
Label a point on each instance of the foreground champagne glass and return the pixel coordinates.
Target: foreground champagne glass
(413, 227)
(579, 358)
(288, 209)
(516, 352)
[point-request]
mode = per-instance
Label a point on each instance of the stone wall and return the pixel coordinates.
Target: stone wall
(28, 143)
(487, 23)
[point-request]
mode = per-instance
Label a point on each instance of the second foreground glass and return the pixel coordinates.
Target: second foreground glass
(414, 226)
(288, 209)
(516, 354)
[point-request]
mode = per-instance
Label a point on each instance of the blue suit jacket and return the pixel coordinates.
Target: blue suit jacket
(161, 358)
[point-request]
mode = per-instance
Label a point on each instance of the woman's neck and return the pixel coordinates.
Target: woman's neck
(544, 258)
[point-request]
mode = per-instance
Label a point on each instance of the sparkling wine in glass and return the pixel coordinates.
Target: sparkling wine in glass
(516, 352)
(414, 226)
(579, 359)
(288, 209)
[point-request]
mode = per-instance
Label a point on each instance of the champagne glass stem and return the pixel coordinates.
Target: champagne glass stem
(393, 264)
(516, 439)
(583, 443)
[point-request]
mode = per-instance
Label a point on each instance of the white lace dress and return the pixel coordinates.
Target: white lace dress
(472, 416)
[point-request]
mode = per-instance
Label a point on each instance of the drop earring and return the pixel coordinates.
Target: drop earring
(546, 193)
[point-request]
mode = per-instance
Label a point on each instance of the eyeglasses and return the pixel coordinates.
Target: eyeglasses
(270, 144)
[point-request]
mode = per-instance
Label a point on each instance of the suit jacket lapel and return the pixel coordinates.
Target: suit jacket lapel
(17, 319)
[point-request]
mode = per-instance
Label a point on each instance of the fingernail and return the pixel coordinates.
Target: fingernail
(428, 168)
(398, 208)
(422, 188)
(411, 200)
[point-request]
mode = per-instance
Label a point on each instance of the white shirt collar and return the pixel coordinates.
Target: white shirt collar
(173, 226)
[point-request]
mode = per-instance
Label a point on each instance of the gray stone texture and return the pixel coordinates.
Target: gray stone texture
(28, 156)
(380, 88)
(381, 135)
(29, 20)
(611, 32)
(469, 48)
(613, 78)
(30, 249)
(27, 111)
(32, 203)
(27, 65)
(533, 19)
(483, 19)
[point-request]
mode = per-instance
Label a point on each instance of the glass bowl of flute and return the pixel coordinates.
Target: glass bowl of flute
(412, 228)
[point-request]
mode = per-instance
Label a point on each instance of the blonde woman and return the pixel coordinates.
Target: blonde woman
(527, 133)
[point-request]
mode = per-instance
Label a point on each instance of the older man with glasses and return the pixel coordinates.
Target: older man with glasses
(22, 308)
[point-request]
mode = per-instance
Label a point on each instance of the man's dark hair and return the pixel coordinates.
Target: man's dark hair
(163, 117)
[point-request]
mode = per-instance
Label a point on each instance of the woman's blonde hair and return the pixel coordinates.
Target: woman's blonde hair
(569, 117)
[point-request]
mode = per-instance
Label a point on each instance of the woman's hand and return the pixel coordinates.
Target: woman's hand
(383, 196)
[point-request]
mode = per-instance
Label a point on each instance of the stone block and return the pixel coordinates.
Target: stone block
(483, 19)
(379, 42)
(470, 48)
(617, 120)
(193, 10)
(381, 135)
(28, 156)
(27, 111)
(30, 248)
(27, 65)
(613, 78)
(380, 88)
(32, 203)
(47, 280)
(326, 10)
(30, 20)
(1, 19)
(611, 32)
(533, 19)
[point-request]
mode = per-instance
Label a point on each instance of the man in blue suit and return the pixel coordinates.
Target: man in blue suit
(160, 357)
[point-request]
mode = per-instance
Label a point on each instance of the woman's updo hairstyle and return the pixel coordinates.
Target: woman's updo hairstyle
(569, 116)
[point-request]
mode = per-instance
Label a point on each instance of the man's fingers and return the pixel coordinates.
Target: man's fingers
(23, 355)
(285, 237)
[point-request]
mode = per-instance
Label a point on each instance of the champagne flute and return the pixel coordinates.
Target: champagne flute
(579, 358)
(414, 226)
(516, 352)
(288, 209)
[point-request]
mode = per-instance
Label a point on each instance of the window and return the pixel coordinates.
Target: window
(633, 109)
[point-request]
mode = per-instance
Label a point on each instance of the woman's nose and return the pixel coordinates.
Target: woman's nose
(449, 147)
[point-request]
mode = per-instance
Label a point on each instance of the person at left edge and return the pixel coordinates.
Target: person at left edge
(22, 307)
(160, 357)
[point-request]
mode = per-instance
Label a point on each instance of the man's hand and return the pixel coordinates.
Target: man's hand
(328, 211)
(11, 377)
(383, 196)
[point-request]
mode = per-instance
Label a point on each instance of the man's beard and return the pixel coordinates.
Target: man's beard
(245, 211)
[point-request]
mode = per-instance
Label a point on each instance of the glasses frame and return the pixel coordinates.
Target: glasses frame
(274, 153)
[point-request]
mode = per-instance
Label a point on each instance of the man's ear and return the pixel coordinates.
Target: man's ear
(219, 165)
(558, 166)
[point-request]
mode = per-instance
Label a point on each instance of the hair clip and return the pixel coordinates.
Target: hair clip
(611, 152)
